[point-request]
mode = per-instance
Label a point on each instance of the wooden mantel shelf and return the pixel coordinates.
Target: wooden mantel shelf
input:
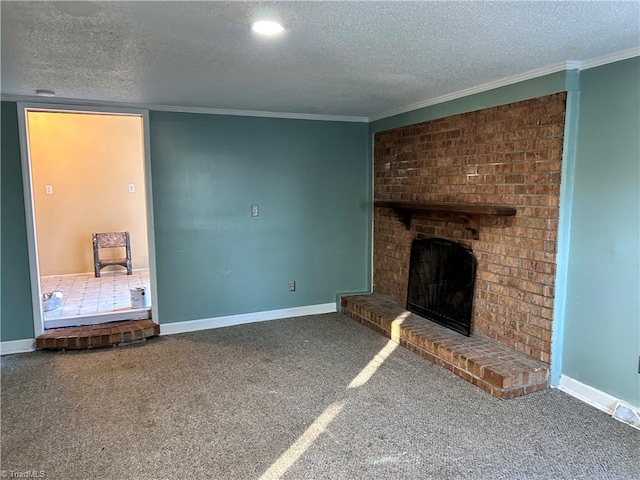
(469, 213)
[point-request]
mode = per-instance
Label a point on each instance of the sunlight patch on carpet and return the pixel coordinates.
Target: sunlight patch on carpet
(372, 367)
(302, 444)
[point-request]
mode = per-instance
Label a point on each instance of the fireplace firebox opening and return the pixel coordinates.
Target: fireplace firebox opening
(442, 275)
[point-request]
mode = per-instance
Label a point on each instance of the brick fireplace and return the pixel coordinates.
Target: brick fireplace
(508, 155)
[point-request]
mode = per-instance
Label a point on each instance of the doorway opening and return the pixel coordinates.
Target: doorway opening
(86, 173)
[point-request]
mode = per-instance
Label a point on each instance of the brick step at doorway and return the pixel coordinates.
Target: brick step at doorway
(496, 369)
(97, 336)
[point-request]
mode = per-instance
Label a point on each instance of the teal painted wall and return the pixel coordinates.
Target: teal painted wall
(602, 323)
(311, 181)
(15, 288)
(537, 87)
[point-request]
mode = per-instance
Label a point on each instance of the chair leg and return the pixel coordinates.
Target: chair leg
(96, 256)
(128, 253)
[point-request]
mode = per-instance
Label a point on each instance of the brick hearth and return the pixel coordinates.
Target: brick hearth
(494, 368)
(96, 336)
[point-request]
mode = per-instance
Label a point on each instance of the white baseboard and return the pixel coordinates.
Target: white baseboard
(230, 320)
(594, 397)
(29, 344)
(17, 346)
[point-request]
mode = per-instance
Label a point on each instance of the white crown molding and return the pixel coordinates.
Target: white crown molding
(178, 109)
(17, 346)
(231, 320)
(540, 72)
(610, 58)
(521, 77)
(573, 65)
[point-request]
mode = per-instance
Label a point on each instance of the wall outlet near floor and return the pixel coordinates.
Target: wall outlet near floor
(254, 211)
(132, 188)
(292, 286)
(48, 189)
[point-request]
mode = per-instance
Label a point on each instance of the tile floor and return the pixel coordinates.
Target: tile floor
(84, 294)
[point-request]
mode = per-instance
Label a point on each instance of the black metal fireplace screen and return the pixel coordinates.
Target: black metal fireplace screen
(442, 274)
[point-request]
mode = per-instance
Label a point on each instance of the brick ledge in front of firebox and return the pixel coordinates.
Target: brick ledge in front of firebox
(496, 369)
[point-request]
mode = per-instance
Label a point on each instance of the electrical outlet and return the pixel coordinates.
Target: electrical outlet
(132, 188)
(292, 286)
(254, 210)
(48, 189)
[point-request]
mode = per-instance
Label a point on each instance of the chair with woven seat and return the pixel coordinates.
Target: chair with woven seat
(111, 240)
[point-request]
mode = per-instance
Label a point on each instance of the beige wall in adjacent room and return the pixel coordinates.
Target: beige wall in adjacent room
(89, 160)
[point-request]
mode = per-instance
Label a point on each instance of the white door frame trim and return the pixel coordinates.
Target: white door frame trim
(34, 273)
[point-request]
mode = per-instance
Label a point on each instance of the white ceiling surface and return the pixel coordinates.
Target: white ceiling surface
(359, 59)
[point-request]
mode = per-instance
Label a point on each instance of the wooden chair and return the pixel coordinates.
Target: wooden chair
(111, 240)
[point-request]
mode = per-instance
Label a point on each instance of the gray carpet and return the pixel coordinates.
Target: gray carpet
(271, 400)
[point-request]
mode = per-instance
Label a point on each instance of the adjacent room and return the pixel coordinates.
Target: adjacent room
(299, 240)
(88, 179)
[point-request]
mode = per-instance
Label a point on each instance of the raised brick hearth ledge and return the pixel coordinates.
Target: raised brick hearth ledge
(496, 369)
(96, 336)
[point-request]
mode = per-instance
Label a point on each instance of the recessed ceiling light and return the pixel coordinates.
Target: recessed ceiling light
(41, 92)
(267, 27)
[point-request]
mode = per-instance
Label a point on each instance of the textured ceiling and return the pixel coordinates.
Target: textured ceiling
(336, 58)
